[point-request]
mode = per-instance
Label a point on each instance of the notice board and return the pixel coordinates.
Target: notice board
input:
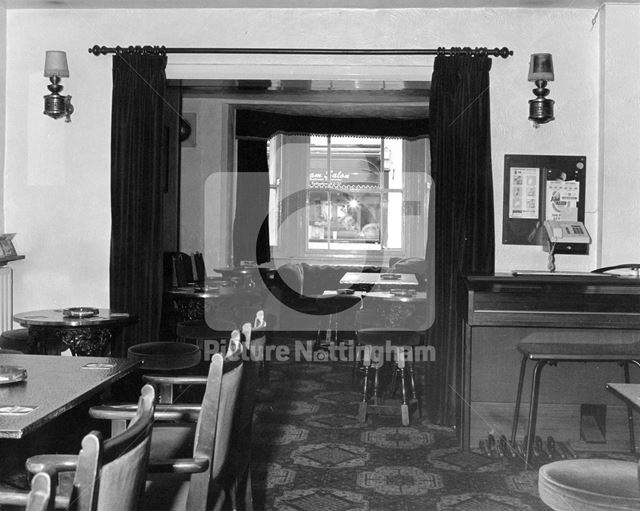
(539, 188)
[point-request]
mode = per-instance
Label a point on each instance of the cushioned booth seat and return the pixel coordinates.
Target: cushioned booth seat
(165, 356)
(589, 485)
(15, 339)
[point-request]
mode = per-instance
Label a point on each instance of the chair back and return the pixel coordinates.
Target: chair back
(254, 348)
(213, 429)
(183, 268)
(111, 474)
(41, 494)
(40, 498)
(198, 263)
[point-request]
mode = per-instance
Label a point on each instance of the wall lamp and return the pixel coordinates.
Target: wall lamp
(541, 72)
(55, 67)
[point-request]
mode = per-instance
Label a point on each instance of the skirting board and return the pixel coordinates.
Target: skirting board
(561, 421)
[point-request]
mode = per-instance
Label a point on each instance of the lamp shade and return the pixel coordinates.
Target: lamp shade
(541, 67)
(55, 64)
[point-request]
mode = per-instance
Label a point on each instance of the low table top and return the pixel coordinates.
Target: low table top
(53, 386)
(379, 279)
(56, 318)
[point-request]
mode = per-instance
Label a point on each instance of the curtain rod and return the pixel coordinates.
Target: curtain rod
(161, 50)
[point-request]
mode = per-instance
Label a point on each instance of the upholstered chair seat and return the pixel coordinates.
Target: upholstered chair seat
(589, 485)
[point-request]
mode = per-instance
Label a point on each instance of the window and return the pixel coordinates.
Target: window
(349, 190)
(333, 195)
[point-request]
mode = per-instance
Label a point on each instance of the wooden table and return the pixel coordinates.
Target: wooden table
(354, 278)
(88, 336)
(398, 310)
(53, 386)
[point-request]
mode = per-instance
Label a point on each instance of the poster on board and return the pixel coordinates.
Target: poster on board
(539, 188)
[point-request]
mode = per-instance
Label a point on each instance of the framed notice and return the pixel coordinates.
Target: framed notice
(539, 188)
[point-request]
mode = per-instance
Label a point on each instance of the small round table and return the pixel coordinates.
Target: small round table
(84, 336)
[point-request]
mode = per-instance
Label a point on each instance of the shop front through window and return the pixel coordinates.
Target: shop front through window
(336, 194)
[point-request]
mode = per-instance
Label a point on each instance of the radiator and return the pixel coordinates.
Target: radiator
(6, 298)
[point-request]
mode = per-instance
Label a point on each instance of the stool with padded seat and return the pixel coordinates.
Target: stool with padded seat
(165, 357)
(590, 485)
(336, 308)
(552, 346)
(16, 339)
(199, 332)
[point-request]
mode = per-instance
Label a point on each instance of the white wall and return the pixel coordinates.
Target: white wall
(3, 67)
(57, 174)
(620, 149)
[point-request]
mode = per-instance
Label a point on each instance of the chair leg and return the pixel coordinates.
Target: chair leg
(376, 384)
(366, 363)
(516, 413)
(404, 407)
(248, 492)
(533, 411)
(632, 436)
(414, 394)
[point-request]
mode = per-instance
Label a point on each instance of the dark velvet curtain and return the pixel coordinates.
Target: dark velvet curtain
(139, 84)
(461, 170)
(251, 225)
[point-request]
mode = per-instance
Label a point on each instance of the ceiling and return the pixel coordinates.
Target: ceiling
(297, 4)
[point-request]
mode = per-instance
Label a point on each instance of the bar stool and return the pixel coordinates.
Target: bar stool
(374, 341)
(333, 307)
(199, 332)
(165, 357)
(553, 346)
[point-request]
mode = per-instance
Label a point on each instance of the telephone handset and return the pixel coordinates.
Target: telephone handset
(565, 231)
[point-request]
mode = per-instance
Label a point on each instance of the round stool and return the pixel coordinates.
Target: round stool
(165, 356)
(15, 339)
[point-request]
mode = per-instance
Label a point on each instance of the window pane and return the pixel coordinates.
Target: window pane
(394, 220)
(355, 162)
(318, 169)
(393, 163)
(318, 215)
(274, 216)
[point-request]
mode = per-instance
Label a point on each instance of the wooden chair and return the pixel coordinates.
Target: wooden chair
(190, 442)
(183, 268)
(109, 474)
(38, 499)
(237, 472)
(198, 263)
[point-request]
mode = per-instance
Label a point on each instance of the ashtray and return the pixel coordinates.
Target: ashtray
(12, 374)
(390, 276)
(80, 312)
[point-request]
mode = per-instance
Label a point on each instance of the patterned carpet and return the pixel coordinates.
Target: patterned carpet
(312, 454)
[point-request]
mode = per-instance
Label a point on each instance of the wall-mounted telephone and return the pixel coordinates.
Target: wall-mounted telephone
(563, 231)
